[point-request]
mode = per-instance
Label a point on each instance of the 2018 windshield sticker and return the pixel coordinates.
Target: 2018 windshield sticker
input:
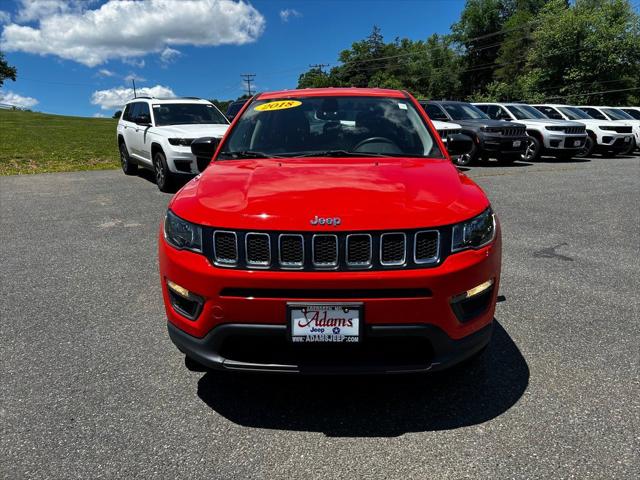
(279, 105)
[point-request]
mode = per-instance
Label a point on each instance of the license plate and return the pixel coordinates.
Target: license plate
(324, 323)
(576, 143)
(627, 139)
(517, 143)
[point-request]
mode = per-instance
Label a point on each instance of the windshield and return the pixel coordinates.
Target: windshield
(187, 114)
(464, 111)
(330, 126)
(617, 114)
(634, 113)
(524, 112)
(575, 113)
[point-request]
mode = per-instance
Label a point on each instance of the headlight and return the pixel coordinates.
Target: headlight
(183, 142)
(607, 127)
(474, 233)
(182, 234)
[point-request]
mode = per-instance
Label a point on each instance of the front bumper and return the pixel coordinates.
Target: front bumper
(416, 302)
(442, 351)
(559, 142)
(614, 142)
(502, 145)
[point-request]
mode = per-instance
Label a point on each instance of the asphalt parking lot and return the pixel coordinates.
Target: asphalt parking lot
(93, 388)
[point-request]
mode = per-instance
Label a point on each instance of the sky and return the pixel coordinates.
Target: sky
(77, 57)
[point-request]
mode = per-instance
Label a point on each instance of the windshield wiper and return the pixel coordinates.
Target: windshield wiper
(248, 154)
(341, 153)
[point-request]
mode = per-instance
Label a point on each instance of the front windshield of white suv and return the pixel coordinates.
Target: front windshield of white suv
(617, 114)
(187, 114)
(525, 112)
(330, 126)
(575, 113)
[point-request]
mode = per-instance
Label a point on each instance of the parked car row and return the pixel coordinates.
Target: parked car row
(157, 133)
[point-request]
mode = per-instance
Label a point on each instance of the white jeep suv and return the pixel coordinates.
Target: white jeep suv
(157, 133)
(616, 113)
(605, 136)
(561, 138)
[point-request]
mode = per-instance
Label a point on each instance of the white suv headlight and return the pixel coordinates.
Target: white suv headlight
(474, 233)
(182, 234)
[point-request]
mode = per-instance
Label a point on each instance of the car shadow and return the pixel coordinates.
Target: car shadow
(149, 176)
(375, 406)
(563, 160)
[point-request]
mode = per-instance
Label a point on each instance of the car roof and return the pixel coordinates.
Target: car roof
(333, 92)
(169, 100)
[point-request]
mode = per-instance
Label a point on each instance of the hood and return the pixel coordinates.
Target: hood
(550, 121)
(595, 121)
(194, 130)
(488, 122)
(367, 194)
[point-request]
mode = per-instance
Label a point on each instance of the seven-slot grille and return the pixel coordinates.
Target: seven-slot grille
(512, 131)
(324, 251)
(575, 130)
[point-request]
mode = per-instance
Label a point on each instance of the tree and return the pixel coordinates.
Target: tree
(7, 72)
(117, 114)
(592, 46)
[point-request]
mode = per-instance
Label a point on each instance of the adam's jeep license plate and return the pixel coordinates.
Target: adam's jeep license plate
(326, 322)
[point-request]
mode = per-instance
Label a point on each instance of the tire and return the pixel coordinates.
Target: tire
(532, 152)
(587, 149)
(165, 180)
(632, 147)
(128, 166)
(467, 158)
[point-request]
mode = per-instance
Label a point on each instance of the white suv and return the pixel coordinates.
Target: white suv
(616, 113)
(605, 136)
(561, 138)
(157, 133)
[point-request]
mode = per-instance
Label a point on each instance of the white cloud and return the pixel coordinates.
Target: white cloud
(103, 72)
(288, 13)
(169, 54)
(16, 100)
(117, 97)
(5, 17)
(31, 10)
(134, 62)
(127, 30)
(133, 76)
(99, 115)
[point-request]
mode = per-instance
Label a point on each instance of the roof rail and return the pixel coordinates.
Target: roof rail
(141, 96)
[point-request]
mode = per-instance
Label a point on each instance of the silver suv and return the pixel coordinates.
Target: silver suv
(156, 133)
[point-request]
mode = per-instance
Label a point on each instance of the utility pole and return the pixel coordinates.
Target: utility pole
(135, 95)
(319, 66)
(248, 77)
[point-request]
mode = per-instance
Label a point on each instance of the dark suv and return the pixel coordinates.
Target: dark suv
(505, 141)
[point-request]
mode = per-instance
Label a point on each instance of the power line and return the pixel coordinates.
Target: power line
(248, 77)
(319, 66)
(593, 93)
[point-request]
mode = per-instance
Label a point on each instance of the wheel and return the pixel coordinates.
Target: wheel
(587, 149)
(467, 158)
(532, 151)
(632, 147)
(128, 166)
(164, 178)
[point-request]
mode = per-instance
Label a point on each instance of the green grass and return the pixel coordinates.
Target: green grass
(38, 143)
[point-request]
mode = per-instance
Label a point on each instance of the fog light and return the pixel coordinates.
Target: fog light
(183, 292)
(474, 302)
(474, 291)
(186, 303)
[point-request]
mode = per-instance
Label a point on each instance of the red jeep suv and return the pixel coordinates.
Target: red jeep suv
(330, 233)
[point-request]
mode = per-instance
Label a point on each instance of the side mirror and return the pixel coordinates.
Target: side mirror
(203, 149)
(459, 144)
(143, 119)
